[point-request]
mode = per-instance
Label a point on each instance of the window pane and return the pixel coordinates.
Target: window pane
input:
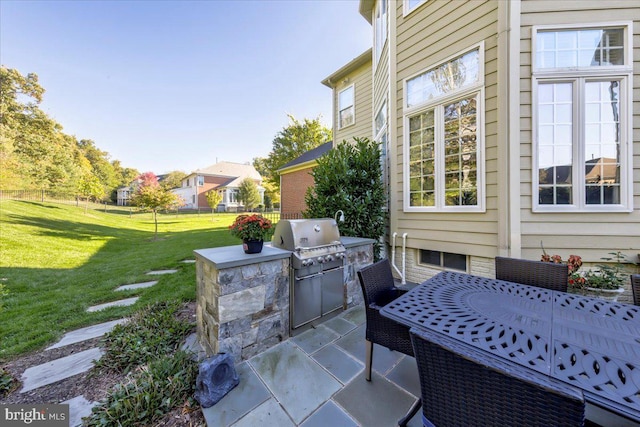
(602, 151)
(381, 118)
(430, 257)
(555, 143)
(455, 261)
(346, 117)
(453, 75)
(345, 98)
(580, 48)
(421, 159)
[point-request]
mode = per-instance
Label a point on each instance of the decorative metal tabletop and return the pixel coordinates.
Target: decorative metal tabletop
(589, 343)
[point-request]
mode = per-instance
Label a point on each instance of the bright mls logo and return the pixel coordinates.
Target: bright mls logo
(35, 415)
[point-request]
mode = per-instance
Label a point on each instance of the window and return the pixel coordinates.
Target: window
(443, 260)
(443, 139)
(346, 110)
(188, 182)
(380, 28)
(234, 196)
(381, 136)
(581, 107)
(200, 180)
(411, 5)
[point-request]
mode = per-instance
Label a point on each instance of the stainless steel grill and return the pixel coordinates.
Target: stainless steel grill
(317, 267)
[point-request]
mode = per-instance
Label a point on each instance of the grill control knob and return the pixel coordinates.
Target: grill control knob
(340, 255)
(320, 259)
(328, 258)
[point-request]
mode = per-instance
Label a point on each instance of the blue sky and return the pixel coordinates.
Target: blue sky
(179, 85)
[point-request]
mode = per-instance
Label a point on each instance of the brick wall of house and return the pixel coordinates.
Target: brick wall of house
(209, 183)
(293, 187)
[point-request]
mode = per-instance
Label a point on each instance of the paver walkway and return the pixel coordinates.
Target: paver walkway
(74, 364)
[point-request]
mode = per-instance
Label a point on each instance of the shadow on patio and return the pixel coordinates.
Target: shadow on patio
(317, 379)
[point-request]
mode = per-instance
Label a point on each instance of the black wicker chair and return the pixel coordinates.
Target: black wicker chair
(462, 386)
(535, 273)
(635, 288)
(378, 289)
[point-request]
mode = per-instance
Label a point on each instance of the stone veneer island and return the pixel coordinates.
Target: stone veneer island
(243, 299)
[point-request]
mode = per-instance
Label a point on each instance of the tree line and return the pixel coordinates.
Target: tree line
(36, 154)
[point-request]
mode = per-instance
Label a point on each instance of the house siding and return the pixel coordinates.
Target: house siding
(424, 38)
(590, 235)
(293, 187)
(361, 79)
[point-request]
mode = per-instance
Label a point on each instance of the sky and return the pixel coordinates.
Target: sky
(181, 85)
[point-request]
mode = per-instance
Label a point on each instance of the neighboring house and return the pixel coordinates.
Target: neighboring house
(295, 178)
(223, 176)
(123, 194)
(511, 124)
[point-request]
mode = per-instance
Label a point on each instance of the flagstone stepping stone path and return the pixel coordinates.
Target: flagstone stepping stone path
(77, 363)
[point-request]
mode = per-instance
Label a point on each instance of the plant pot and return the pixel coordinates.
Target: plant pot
(252, 246)
(606, 294)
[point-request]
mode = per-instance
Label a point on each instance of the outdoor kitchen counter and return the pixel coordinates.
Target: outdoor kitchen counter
(243, 300)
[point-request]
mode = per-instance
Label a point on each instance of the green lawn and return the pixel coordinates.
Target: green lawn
(56, 261)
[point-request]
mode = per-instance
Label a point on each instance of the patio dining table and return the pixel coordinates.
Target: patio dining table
(589, 343)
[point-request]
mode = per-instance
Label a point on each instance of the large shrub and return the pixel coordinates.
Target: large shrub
(349, 178)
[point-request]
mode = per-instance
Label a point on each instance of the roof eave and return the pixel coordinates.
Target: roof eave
(365, 8)
(351, 66)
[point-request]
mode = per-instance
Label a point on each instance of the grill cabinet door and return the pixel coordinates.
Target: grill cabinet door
(332, 290)
(307, 294)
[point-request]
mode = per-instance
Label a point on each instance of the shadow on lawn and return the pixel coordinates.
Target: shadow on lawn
(43, 303)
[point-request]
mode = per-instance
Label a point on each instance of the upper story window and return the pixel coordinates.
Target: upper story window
(188, 182)
(380, 28)
(200, 180)
(444, 170)
(346, 109)
(581, 111)
(382, 135)
(410, 5)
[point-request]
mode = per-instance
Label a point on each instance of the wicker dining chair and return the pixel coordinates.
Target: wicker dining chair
(635, 288)
(378, 289)
(462, 386)
(534, 273)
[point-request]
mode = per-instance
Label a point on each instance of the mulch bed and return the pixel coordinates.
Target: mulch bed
(93, 386)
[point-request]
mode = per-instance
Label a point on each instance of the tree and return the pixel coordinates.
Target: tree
(90, 187)
(151, 197)
(214, 197)
(349, 178)
(291, 142)
(173, 179)
(248, 193)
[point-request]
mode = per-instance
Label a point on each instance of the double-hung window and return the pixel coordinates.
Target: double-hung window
(346, 108)
(582, 104)
(380, 29)
(443, 147)
(200, 180)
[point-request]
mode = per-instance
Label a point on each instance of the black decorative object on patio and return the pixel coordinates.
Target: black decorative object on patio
(216, 378)
(462, 386)
(533, 273)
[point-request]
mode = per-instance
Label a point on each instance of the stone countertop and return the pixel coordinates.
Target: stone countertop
(350, 242)
(234, 256)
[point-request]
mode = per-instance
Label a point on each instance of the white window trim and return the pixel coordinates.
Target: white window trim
(353, 105)
(622, 72)
(406, 9)
(476, 88)
(384, 130)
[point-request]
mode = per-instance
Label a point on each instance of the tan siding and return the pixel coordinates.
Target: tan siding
(361, 79)
(589, 235)
(428, 36)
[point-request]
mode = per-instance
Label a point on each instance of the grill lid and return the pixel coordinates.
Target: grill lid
(303, 234)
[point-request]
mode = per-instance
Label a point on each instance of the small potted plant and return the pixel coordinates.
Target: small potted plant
(252, 229)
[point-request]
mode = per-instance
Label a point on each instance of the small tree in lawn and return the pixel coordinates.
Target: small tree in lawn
(349, 178)
(248, 193)
(89, 186)
(151, 197)
(214, 197)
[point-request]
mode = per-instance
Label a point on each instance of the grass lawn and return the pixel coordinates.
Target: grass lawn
(56, 261)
